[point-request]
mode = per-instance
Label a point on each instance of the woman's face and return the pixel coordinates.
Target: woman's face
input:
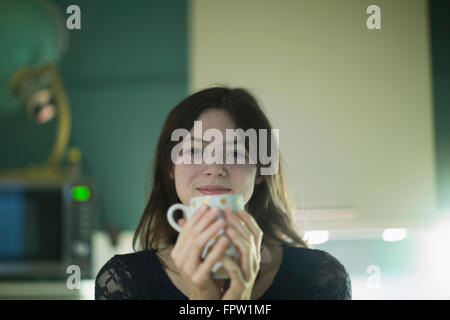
(191, 179)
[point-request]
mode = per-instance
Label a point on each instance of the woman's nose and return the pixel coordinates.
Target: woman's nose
(215, 169)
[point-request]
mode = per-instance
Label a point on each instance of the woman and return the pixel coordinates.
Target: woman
(274, 261)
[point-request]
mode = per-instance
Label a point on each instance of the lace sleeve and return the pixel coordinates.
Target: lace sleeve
(331, 280)
(114, 282)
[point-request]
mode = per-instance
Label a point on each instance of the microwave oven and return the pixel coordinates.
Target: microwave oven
(45, 227)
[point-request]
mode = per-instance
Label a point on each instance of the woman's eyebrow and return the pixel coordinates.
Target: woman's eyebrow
(235, 142)
(227, 142)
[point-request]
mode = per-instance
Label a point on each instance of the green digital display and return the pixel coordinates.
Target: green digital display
(81, 193)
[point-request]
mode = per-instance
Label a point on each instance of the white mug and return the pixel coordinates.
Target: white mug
(232, 201)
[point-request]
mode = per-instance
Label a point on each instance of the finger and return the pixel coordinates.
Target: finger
(181, 248)
(211, 232)
(199, 213)
(236, 222)
(213, 257)
(249, 220)
(244, 247)
(178, 245)
(210, 215)
(237, 283)
(197, 216)
(192, 254)
(253, 226)
(179, 253)
(239, 225)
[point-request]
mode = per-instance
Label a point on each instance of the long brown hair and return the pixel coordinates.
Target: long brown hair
(269, 204)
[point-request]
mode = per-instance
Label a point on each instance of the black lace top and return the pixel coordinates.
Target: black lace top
(303, 274)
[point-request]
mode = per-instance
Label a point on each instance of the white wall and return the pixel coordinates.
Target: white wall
(353, 105)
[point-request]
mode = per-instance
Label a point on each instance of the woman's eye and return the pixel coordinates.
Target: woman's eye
(191, 150)
(238, 154)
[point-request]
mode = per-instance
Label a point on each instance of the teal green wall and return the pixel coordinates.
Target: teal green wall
(124, 70)
(440, 43)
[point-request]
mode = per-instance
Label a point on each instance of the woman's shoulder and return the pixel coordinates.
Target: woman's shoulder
(133, 256)
(116, 279)
(318, 260)
(329, 276)
(131, 262)
(311, 254)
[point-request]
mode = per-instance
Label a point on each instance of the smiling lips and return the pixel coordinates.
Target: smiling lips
(212, 189)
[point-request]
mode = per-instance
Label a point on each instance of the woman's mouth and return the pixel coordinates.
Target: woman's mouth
(210, 190)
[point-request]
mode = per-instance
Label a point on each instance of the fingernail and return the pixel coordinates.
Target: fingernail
(215, 210)
(223, 241)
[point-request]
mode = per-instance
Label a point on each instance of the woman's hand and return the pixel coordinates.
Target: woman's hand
(195, 233)
(246, 235)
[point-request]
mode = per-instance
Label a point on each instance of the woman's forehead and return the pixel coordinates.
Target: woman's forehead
(215, 119)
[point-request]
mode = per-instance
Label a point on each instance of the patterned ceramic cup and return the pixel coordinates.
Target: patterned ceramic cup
(232, 201)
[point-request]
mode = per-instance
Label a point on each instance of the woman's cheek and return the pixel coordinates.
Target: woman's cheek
(244, 180)
(184, 177)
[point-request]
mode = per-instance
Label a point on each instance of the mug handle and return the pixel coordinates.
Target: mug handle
(176, 206)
